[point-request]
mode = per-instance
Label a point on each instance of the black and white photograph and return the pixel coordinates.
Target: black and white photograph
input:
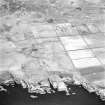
(52, 52)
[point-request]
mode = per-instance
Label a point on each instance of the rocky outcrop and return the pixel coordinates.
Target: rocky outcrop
(31, 52)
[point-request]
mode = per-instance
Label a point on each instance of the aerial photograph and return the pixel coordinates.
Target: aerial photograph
(52, 52)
